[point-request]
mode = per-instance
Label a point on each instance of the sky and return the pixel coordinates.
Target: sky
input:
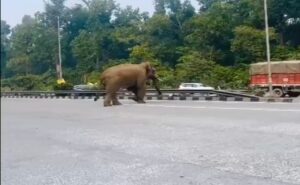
(12, 11)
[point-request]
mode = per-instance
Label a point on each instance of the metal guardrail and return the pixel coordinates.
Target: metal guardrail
(233, 94)
(167, 94)
(153, 92)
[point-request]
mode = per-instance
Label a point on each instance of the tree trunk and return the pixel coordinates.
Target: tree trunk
(97, 63)
(281, 38)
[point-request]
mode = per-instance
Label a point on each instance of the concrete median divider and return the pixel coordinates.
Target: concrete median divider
(223, 96)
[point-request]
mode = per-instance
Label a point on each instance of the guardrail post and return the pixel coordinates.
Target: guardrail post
(238, 99)
(223, 98)
(254, 99)
(208, 98)
(195, 98)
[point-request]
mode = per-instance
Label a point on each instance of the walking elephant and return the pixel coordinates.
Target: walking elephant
(132, 77)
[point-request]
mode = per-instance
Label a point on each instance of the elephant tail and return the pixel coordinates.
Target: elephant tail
(101, 86)
(102, 81)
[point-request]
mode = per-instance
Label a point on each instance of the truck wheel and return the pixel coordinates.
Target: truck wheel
(278, 92)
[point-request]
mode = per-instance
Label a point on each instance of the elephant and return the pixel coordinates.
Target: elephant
(132, 77)
(134, 88)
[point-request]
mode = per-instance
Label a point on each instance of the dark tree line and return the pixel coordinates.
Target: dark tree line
(214, 45)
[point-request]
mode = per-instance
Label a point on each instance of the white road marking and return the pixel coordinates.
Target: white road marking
(222, 102)
(220, 108)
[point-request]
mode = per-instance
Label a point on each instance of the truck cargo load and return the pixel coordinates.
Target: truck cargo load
(285, 76)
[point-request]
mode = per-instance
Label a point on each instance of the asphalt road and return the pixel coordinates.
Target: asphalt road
(79, 142)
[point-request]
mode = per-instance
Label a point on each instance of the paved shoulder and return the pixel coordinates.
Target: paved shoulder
(161, 142)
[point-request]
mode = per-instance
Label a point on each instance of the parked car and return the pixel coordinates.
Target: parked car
(85, 87)
(194, 86)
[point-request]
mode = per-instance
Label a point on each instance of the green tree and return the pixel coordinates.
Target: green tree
(5, 47)
(53, 10)
(85, 50)
(33, 47)
(206, 4)
(91, 47)
(142, 53)
(159, 6)
(126, 33)
(284, 16)
(211, 33)
(76, 20)
(22, 46)
(163, 32)
(229, 77)
(20, 65)
(100, 13)
(209, 46)
(192, 67)
(160, 37)
(249, 44)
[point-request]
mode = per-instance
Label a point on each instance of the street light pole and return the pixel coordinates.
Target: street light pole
(59, 49)
(268, 48)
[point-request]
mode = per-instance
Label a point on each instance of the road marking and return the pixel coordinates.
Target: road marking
(220, 108)
(249, 102)
(223, 102)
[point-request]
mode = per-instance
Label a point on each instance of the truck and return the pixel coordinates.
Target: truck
(285, 77)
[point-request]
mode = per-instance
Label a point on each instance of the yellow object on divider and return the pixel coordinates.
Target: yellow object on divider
(60, 81)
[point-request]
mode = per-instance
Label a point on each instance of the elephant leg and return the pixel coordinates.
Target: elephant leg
(96, 98)
(107, 100)
(141, 94)
(111, 94)
(115, 100)
(134, 89)
(136, 99)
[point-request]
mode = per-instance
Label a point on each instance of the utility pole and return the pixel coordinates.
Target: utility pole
(59, 68)
(268, 48)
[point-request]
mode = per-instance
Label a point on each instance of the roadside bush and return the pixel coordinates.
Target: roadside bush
(230, 77)
(165, 74)
(194, 68)
(63, 86)
(28, 82)
(72, 76)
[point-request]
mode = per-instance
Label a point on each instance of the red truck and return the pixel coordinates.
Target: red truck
(285, 77)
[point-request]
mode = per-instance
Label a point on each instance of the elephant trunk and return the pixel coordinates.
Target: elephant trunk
(155, 81)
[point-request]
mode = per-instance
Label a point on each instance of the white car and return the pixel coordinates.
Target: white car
(194, 86)
(85, 87)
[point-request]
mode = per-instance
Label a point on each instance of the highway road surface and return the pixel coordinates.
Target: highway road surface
(79, 142)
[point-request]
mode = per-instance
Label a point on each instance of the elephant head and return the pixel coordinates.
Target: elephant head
(151, 75)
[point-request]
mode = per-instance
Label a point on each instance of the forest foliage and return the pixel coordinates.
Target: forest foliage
(213, 45)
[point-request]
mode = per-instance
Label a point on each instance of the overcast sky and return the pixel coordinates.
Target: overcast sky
(12, 11)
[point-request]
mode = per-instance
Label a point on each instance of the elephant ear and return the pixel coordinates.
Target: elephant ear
(148, 67)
